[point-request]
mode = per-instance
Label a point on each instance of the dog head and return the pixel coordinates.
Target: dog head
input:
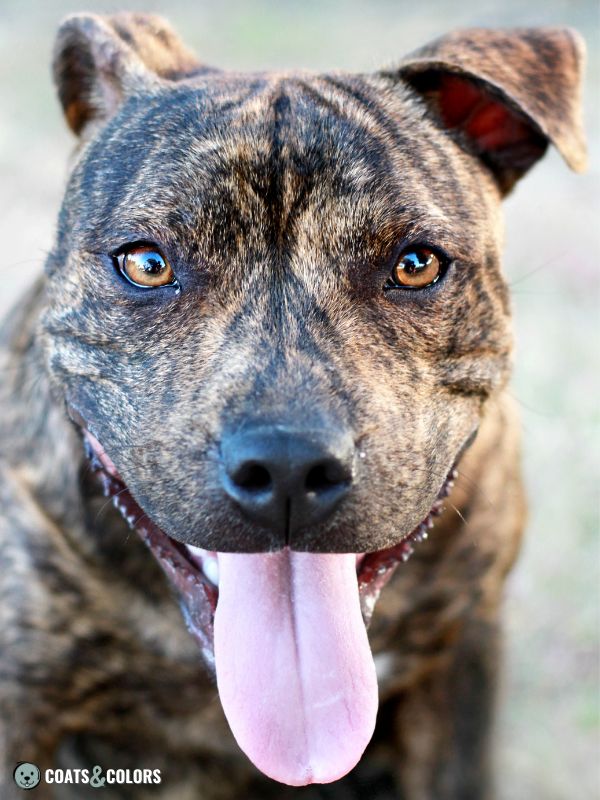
(275, 301)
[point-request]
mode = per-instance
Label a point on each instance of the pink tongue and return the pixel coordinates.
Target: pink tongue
(294, 668)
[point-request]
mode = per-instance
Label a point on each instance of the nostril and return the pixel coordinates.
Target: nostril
(286, 480)
(252, 476)
(326, 475)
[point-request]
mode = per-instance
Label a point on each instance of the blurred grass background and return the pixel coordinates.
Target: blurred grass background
(549, 739)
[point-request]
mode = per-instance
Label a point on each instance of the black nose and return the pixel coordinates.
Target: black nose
(285, 480)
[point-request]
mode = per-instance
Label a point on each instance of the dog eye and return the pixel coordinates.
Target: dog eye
(416, 268)
(145, 266)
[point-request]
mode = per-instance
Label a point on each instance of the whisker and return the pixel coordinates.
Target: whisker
(34, 260)
(139, 519)
(459, 513)
(107, 503)
(534, 271)
(527, 407)
(473, 482)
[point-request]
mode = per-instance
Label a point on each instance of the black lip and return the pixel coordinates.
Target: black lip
(197, 595)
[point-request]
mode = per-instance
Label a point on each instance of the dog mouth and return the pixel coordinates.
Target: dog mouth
(188, 566)
(285, 633)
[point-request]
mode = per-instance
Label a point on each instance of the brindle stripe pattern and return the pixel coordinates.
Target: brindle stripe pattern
(293, 195)
(282, 202)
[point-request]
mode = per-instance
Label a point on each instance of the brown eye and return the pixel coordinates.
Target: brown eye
(416, 268)
(145, 265)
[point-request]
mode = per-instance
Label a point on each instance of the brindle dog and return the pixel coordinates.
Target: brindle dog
(272, 327)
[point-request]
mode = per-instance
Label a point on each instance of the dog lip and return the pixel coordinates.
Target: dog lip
(101, 455)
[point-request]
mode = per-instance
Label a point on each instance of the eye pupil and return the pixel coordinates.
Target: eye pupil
(152, 263)
(416, 261)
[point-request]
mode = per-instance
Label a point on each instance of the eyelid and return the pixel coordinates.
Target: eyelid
(421, 244)
(132, 244)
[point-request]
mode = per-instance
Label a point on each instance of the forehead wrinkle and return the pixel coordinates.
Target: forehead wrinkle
(351, 98)
(247, 131)
(306, 122)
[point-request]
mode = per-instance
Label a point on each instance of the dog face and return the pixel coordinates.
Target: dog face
(283, 210)
(288, 212)
(275, 302)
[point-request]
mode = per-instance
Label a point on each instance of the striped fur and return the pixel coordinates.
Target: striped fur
(281, 201)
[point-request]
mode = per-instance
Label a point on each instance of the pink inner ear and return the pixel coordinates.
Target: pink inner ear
(485, 120)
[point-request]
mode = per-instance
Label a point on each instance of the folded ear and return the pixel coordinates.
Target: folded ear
(505, 93)
(99, 60)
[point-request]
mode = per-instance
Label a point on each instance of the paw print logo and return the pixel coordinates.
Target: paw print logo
(26, 775)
